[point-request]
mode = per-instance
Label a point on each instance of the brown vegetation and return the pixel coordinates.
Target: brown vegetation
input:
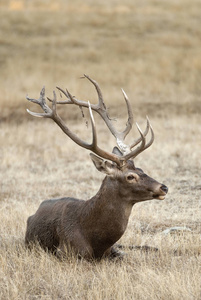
(152, 50)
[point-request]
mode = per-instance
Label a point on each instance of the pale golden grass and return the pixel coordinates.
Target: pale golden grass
(152, 50)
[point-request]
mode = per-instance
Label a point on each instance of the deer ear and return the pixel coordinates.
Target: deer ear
(102, 165)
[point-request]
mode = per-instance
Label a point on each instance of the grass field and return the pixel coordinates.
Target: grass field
(152, 50)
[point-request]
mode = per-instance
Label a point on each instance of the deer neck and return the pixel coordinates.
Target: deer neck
(109, 207)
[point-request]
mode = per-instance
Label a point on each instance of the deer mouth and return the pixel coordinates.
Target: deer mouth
(159, 197)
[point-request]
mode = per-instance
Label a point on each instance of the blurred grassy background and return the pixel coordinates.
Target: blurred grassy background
(150, 48)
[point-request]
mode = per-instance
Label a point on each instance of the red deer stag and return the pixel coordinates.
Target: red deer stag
(92, 227)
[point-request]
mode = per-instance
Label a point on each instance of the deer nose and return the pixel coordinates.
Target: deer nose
(164, 188)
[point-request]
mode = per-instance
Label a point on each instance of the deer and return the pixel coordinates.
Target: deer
(91, 228)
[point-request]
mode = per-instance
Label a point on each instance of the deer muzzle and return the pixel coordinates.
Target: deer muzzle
(162, 192)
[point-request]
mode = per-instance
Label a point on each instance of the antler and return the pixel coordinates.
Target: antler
(52, 114)
(100, 108)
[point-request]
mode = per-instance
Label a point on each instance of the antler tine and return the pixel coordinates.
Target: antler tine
(94, 135)
(139, 149)
(101, 109)
(142, 139)
(40, 101)
(54, 104)
(68, 101)
(101, 103)
(152, 135)
(94, 146)
(70, 97)
(130, 116)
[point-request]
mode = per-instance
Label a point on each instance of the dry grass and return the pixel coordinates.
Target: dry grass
(152, 50)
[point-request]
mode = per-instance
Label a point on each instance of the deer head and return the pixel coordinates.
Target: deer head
(134, 185)
(106, 214)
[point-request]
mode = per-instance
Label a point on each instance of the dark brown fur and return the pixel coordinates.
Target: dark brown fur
(92, 227)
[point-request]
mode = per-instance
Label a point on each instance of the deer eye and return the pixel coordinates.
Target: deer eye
(132, 177)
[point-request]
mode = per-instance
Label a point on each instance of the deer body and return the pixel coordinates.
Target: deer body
(67, 222)
(70, 220)
(92, 227)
